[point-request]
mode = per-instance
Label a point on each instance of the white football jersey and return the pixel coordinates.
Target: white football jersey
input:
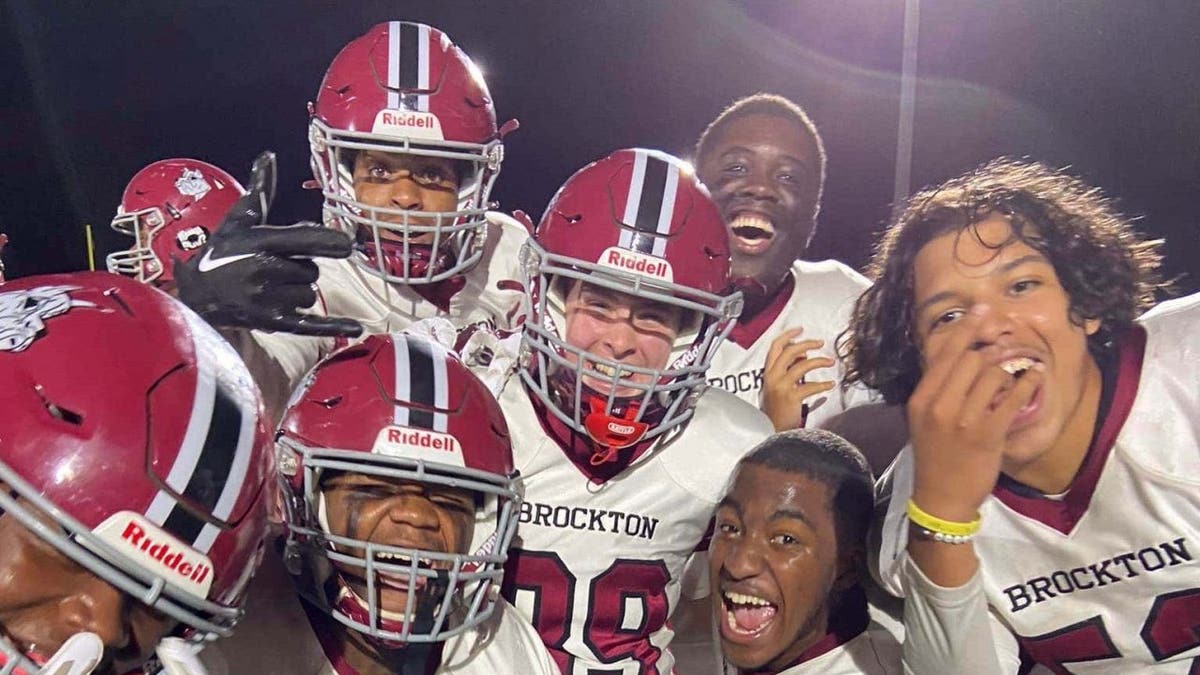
(277, 637)
(1105, 578)
(820, 299)
(597, 567)
(492, 293)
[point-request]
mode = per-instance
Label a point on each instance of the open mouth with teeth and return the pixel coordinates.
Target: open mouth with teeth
(1018, 367)
(393, 586)
(745, 616)
(752, 234)
(607, 371)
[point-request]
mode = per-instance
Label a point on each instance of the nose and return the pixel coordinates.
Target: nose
(413, 510)
(994, 324)
(97, 607)
(405, 193)
(620, 338)
(756, 184)
(743, 560)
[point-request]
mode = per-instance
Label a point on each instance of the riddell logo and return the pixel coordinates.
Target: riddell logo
(408, 123)
(156, 551)
(620, 428)
(632, 261)
(419, 444)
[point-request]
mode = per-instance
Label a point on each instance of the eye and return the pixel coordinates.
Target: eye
(944, 318)
(654, 317)
(454, 503)
(377, 171)
(784, 540)
(597, 303)
(735, 168)
(430, 175)
(1025, 285)
(727, 529)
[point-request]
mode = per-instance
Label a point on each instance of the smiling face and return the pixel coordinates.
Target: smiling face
(46, 597)
(774, 561)
(402, 514)
(764, 172)
(1023, 314)
(408, 182)
(622, 328)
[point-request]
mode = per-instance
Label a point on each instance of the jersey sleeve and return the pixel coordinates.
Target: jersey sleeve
(888, 538)
(951, 630)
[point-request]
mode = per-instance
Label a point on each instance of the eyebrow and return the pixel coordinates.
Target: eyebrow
(1006, 267)
(795, 515)
(742, 148)
(781, 513)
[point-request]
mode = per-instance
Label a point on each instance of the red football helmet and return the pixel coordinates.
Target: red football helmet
(638, 222)
(170, 208)
(403, 407)
(3, 241)
(404, 87)
(151, 468)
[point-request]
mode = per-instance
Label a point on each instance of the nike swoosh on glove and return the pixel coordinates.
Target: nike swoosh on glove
(254, 275)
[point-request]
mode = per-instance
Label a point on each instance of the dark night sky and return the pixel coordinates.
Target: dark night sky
(95, 90)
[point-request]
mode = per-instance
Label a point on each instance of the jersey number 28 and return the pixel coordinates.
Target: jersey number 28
(604, 630)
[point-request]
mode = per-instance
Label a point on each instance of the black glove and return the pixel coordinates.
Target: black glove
(254, 275)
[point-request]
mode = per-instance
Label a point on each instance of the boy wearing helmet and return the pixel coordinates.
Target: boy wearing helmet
(135, 484)
(170, 208)
(623, 449)
(402, 501)
(405, 149)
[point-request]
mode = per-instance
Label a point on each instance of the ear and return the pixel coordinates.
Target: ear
(850, 565)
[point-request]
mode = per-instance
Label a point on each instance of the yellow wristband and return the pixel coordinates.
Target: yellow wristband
(939, 526)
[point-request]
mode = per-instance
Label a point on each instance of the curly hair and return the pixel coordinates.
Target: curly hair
(1109, 271)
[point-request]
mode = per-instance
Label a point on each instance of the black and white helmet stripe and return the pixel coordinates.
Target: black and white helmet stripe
(421, 377)
(215, 454)
(408, 65)
(650, 205)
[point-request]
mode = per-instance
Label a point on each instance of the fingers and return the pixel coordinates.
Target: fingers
(977, 401)
(1019, 396)
(271, 272)
(263, 180)
(303, 240)
(794, 362)
(251, 209)
(308, 324)
(780, 343)
(948, 360)
(787, 409)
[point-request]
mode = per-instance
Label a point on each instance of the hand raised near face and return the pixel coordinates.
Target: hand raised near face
(958, 419)
(786, 385)
(254, 275)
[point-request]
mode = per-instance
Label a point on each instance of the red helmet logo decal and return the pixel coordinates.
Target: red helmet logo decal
(192, 184)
